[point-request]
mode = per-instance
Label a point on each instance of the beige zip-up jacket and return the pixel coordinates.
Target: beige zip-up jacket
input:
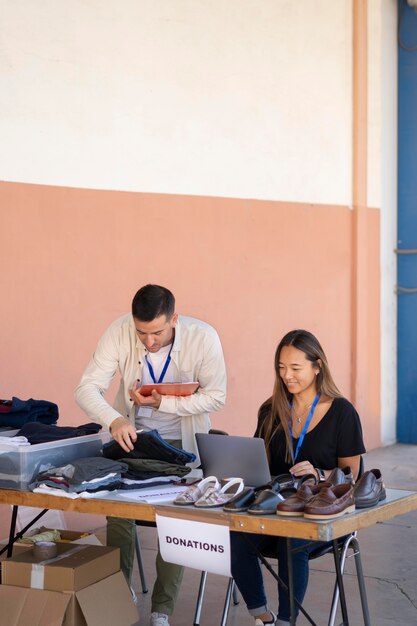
(197, 354)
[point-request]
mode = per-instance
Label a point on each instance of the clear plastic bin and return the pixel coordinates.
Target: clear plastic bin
(19, 466)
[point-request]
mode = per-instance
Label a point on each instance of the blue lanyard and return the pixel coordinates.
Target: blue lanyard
(305, 427)
(164, 370)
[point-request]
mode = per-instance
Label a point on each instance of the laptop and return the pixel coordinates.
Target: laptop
(227, 456)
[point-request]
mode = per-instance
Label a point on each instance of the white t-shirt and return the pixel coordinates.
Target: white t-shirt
(167, 424)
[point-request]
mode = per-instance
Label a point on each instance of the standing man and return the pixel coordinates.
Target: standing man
(154, 344)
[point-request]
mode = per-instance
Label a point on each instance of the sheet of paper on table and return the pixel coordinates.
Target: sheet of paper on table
(154, 495)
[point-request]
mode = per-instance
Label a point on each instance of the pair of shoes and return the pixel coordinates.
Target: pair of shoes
(281, 488)
(331, 502)
(246, 498)
(340, 475)
(215, 496)
(259, 622)
(369, 490)
(294, 505)
(195, 492)
(159, 619)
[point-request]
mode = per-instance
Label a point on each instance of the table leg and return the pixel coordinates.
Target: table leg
(12, 531)
(290, 582)
(361, 584)
(13, 536)
(340, 584)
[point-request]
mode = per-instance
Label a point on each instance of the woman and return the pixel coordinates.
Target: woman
(308, 428)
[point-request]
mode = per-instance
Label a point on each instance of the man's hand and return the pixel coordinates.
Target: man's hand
(123, 432)
(153, 401)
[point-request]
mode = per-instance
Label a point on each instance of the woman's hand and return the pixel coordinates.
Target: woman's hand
(302, 469)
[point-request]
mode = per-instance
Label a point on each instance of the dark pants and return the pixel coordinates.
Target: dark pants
(247, 573)
(121, 533)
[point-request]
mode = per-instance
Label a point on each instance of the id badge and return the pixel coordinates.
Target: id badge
(145, 411)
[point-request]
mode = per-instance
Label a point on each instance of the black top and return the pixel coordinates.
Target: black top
(338, 434)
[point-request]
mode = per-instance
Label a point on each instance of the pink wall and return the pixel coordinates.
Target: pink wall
(71, 260)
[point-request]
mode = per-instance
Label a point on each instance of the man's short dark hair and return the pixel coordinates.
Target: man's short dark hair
(151, 301)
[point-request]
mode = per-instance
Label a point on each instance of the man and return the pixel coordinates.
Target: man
(154, 344)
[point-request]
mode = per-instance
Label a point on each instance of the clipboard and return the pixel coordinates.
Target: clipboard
(169, 389)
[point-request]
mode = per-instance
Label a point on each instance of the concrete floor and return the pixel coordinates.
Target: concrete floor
(389, 556)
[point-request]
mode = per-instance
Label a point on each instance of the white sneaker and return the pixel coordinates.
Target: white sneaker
(259, 622)
(159, 619)
(134, 596)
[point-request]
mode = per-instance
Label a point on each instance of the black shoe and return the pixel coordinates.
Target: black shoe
(266, 502)
(241, 502)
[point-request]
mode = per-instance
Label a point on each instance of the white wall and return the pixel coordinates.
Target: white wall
(382, 188)
(389, 209)
(241, 98)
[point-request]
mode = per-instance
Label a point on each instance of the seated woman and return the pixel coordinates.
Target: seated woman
(308, 428)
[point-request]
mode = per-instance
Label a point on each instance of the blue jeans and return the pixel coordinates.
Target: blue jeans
(247, 573)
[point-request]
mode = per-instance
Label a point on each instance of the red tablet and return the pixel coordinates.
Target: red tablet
(169, 389)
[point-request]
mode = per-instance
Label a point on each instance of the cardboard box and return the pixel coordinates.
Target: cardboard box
(75, 567)
(17, 549)
(73, 536)
(108, 601)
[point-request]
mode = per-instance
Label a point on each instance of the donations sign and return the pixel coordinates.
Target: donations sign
(194, 544)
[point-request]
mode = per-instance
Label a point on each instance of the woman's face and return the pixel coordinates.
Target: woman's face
(297, 372)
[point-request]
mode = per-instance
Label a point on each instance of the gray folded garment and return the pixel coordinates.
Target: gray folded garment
(85, 469)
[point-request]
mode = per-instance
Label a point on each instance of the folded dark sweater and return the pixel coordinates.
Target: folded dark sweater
(36, 432)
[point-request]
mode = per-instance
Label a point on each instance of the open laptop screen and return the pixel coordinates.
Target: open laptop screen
(227, 456)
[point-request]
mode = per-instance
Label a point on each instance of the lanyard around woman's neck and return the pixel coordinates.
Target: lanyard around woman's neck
(305, 427)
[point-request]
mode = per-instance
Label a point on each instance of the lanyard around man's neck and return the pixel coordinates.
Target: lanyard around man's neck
(164, 369)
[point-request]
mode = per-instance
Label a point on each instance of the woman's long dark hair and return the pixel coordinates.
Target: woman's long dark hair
(277, 407)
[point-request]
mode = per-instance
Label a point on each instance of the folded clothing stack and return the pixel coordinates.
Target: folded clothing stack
(152, 461)
(89, 475)
(150, 472)
(16, 412)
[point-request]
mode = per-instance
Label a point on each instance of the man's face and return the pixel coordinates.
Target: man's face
(156, 333)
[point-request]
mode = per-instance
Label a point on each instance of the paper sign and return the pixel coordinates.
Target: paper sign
(199, 545)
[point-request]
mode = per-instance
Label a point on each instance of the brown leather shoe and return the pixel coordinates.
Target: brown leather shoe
(294, 505)
(331, 502)
(369, 490)
(340, 475)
